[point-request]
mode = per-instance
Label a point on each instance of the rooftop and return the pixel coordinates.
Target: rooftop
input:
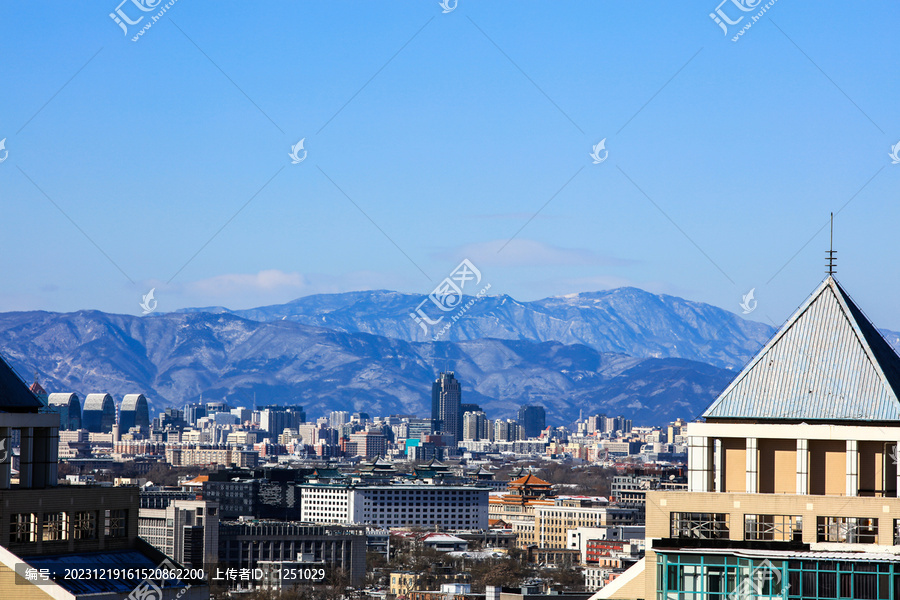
(828, 363)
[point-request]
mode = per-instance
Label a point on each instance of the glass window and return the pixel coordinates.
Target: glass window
(55, 527)
(21, 527)
(115, 523)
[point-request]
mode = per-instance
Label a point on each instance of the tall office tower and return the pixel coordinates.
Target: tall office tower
(275, 419)
(338, 418)
(533, 418)
(475, 426)
(596, 423)
(133, 412)
(192, 412)
(99, 413)
(69, 408)
(445, 405)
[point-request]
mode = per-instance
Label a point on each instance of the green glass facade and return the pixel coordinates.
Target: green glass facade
(683, 576)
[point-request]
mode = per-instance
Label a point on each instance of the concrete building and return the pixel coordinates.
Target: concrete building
(475, 426)
(186, 531)
(246, 544)
(792, 479)
(397, 505)
(553, 523)
(367, 444)
(203, 456)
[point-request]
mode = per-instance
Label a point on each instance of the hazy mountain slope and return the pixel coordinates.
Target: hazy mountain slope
(172, 358)
(626, 320)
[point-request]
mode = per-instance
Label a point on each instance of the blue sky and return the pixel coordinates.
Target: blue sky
(434, 137)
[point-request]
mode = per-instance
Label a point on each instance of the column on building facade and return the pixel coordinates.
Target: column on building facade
(752, 462)
(893, 457)
(6, 456)
(26, 457)
(718, 461)
(852, 468)
(700, 464)
(802, 466)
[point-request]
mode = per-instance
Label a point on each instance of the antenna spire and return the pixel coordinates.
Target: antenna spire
(831, 254)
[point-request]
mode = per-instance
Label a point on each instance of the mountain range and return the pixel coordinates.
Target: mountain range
(649, 357)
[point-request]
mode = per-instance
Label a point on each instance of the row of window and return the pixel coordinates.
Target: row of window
(778, 528)
(58, 526)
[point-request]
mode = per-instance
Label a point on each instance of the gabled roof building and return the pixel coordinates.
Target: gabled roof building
(792, 473)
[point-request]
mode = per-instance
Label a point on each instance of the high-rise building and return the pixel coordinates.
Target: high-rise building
(192, 412)
(506, 430)
(99, 413)
(475, 426)
(533, 418)
(275, 419)
(134, 413)
(69, 408)
(445, 405)
(338, 418)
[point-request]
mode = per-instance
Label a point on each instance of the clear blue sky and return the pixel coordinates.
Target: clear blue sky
(449, 132)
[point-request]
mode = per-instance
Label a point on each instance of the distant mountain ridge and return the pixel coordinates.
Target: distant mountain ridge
(623, 320)
(175, 357)
(625, 351)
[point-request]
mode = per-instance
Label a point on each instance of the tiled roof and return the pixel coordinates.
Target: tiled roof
(827, 363)
(529, 480)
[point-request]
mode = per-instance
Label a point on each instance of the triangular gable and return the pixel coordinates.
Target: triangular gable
(827, 363)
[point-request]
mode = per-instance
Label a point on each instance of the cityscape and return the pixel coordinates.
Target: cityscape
(449, 300)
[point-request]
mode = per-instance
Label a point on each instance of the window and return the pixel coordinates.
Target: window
(848, 530)
(21, 528)
(706, 526)
(55, 527)
(777, 528)
(115, 523)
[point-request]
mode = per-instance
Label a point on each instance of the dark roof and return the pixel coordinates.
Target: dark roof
(122, 559)
(14, 394)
